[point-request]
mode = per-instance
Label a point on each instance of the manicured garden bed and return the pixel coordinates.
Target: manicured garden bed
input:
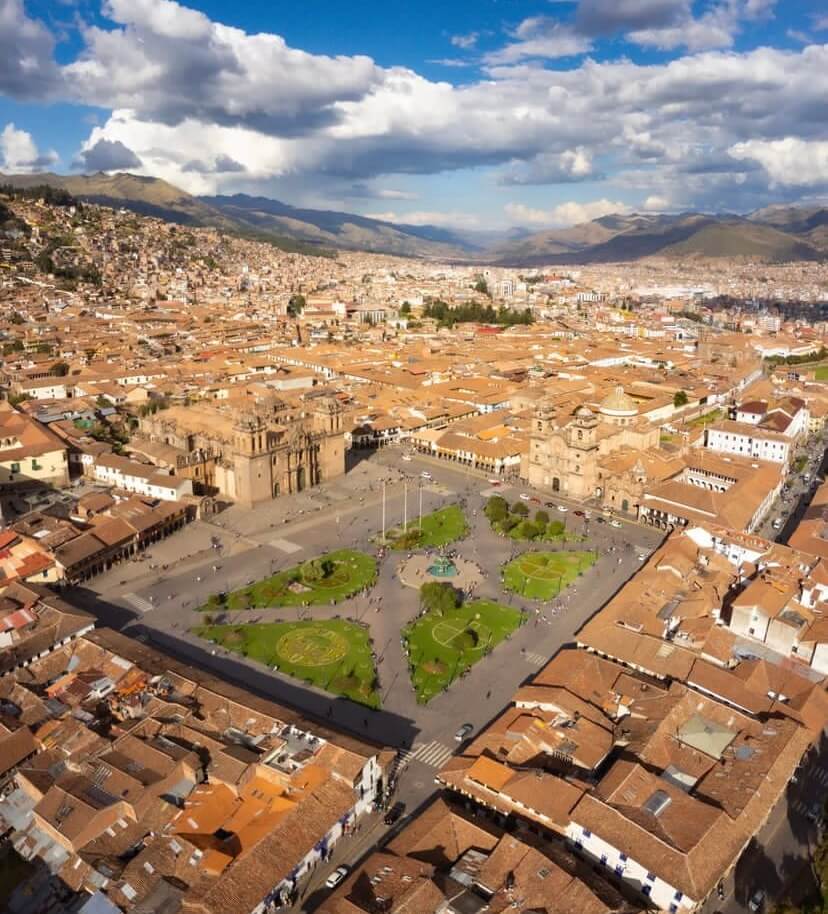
(443, 645)
(438, 529)
(327, 579)
(543, 575)
(334, 654)
(519, 523)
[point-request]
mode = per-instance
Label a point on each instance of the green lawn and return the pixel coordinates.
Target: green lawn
(438, 529)
(442, 647)
(543, 575)
(821, 373)
(328, 578)
(334, 654)
(700, 421)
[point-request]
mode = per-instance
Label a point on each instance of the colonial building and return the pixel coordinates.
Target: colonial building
(262, 451)
(565, 456)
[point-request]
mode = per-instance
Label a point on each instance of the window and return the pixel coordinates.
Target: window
(651, 877)
(15, 468)
(622, 857)
(673, 908)
(587, 833)
(619, 870)
(646, 890)
(603, 859)
(678, 896)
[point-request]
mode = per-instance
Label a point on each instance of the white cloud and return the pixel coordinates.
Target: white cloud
(466, 42)
(27, 67)
(543, 37)
(564, 214)
(183, 89)
(19, 152)
(656, 203)
(430, 217)
(550, 168)
(791, 161)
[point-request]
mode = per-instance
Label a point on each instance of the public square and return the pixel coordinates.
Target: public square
(237, 549)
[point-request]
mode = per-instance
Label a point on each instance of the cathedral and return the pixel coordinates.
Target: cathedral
(260, 450)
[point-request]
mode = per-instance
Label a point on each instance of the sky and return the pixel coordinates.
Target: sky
(472, 114)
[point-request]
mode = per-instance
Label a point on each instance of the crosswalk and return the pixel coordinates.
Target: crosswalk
(535, 659)
(140, 603)
(286, 546)
(433, 754)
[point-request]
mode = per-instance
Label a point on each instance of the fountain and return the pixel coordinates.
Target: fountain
(443, 567)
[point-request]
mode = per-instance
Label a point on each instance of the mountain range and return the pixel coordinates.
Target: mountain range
(776, 233)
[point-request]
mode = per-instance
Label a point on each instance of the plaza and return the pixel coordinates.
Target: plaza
(239, 548)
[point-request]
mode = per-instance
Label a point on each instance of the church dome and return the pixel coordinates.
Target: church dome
(618, 404)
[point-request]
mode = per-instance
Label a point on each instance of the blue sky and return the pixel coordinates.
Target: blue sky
(478, 114)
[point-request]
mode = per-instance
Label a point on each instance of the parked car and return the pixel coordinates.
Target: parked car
(463, 732)
(600, 520)
(406, 457)
(579, 514)
(550, 504)
(394, 813)
(757, 900)
(425, 474)
(563, 509)
(494, 482)
(337, 876)
(535, 499)
(615, 523)
(524, 497)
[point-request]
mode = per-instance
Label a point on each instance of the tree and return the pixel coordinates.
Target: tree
(61, 369)
(296, 305)
(439, 597)
(405, 309)
(482, 287)
(497, 509)
(541, 517)
(520, 508)
(680, 399)
(557, 528)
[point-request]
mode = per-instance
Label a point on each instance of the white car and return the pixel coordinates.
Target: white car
(563, 509)
(524, 497)
(425, 474)
(336, 877)
(615, 523)
(406, 457)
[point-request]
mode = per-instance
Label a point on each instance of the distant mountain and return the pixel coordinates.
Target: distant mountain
(776, 233)
(617, 238)
(257, 217)
(339, 229)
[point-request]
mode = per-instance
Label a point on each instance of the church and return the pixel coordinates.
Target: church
(566, 452)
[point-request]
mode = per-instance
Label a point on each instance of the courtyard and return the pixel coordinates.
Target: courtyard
(334, 655)
(544, 575)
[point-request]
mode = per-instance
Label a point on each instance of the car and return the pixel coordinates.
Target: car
(495, 483)
(535, 499)
(394, 813)
(579, 514)
(587, 514)
(563, 509)
(550, 504)
(757, 900)
(615, 523)
(463, 732)
(600, 520)
(524, 497)
(814, 813)
(776, 524)
(406, 457)
(642, 557)
(337, 876)
(425, 474)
